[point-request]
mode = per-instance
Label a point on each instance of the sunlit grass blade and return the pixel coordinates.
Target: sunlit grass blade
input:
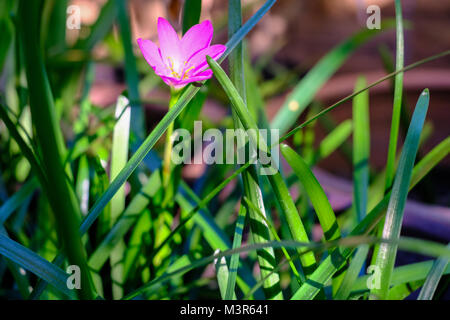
(223, 274)
(315, 193)
(433, 277)
(82, 184)
(119, 157)
(352, 273)
(398, 94)
(234, 261)
(393, 222)
(402, 291)
(361, 149)
(403, 274)
(276, 237)
(333, 140)
(305, 91)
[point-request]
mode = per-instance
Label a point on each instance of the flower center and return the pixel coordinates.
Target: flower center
(182, 75)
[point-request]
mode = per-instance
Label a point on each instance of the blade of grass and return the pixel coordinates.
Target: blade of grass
(234, 261)
(398, 93)
(223, 275)
(191, 13)
(35, 264)
(124, 223)
(433, 277)
(352, 273)
(315, 193)
(361, 149)
(259, 230)
(393, 222)
(50, 142)
(403, 274)
(276, 237)
(131, 75)
(333, 140)
(11, 205)
(119, 156)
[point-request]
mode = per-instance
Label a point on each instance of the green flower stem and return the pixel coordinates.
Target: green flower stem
(174, 95)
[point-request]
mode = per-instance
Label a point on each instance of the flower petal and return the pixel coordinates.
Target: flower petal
(197, 38)
(169, 44)
(198, 61)
(151, 54)
(198, 77)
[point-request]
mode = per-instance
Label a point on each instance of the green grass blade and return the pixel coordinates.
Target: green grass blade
(432, 281)
(386, 255)
(315, 193)
(352, 273)
(305, 91)
(361, 149)
(234, 261)
(259, 230)
(17, 199)
(51, 144)
(82, 184)
(25, 149)
(119, 157)
(101, 27)
(223, 275)
(125, 222)
(403, 274)
(191, 13)
(424, 166)
(30, 261)
(276, 237)
(131, 75)
(398, 94)
(401, 291)
(333, 140)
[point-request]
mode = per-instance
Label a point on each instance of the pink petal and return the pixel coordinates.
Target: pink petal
(198, 61)
(169, 44)
(198, 77)
(178, 83)
(197, 38)
(151, 54)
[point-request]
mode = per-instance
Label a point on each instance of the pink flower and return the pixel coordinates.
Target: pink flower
(179, 62)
